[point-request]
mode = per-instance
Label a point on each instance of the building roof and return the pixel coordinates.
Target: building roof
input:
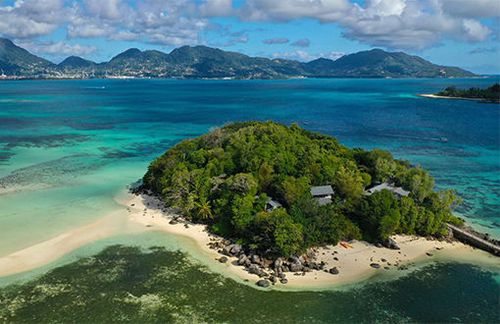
(397, 190)
(321, 191)
(400, 191)
(379, 187)
(274, 204)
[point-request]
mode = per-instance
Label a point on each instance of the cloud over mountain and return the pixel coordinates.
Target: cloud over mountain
(393, 24)
(61, 49)
(402, 24)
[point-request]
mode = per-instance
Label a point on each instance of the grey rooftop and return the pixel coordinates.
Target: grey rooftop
(273, 204)
(320, 191)
(397, 190)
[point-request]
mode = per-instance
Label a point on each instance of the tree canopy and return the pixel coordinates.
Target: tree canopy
(226, 177)
(491, 93)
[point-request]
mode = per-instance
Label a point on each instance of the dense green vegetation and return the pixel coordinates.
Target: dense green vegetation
(489, 94)
(225, 177)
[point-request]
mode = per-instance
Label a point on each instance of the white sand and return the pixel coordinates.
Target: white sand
(45, 252)
(353, 263)
(433, 96)
(146, 215)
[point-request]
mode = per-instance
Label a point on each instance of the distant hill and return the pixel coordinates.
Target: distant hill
(206, 62)
(76, 62)
(135, 57)
(203, 61)
(377, 63)
(15, 60)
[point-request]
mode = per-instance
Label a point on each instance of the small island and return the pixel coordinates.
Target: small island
(275, 193)
(487, 95)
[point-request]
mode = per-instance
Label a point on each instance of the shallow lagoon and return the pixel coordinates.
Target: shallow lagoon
(153, 284)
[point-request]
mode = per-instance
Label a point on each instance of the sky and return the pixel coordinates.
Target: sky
(463, 33)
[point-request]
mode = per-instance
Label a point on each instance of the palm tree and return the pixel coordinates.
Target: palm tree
(204, 209)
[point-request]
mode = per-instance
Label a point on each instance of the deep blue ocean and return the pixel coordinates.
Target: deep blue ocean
(67, 147)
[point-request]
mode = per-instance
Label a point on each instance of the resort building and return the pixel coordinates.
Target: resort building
(323, 194)
(398, 191)
(272, 205)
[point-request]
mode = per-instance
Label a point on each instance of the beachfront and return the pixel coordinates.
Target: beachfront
(354, 262)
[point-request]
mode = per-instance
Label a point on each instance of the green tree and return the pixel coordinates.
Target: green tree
(204, 209)
(349, 183)
(224, 178)
(288, 237)
(265, 176)
(243, 211)
(379, 215)
(293, 189)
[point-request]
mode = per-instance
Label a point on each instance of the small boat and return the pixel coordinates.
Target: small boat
(443, 139)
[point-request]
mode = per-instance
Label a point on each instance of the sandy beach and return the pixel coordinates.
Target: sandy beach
(353, 262)
(48, 251)
(433, 96)
(146, 213)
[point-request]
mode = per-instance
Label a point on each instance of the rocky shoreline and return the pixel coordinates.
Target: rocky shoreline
(327, 266)
(274, 271)
(268, 270)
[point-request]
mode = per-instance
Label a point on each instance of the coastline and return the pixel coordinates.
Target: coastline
(48, 251)
(433, 96)
(144, 213)
(353, 263)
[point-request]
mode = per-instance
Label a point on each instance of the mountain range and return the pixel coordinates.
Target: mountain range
(205, 62)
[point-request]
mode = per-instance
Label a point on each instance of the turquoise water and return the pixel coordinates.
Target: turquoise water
(68, 147)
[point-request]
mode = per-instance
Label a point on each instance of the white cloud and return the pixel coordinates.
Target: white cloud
(406, 24)
(31, 18)
(401, 24)
(332, 55)
(216, 8)
(474, 31)
(471, 8)
(324, 10)
(108, 9)
(58, 49)
(21, 27)
(384, 8)
(236, 38)
(304, 56)
(82, 27)
(167, 22)
(395, 24)
(293, 55)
